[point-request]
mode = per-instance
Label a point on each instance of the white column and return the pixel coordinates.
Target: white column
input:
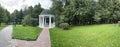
(49, 21)
(39, 20)
(43, 22)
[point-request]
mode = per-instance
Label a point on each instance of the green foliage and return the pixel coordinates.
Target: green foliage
(97, 17)
(34, 22)
(4, 16)
(57, 9)
(64, 26)
(82, 12)
(1, 14)
(108, 10)
(26, 20)
(18, 16)
(75, 11)
(33, 12)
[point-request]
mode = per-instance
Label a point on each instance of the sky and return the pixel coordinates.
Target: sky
(11, 5)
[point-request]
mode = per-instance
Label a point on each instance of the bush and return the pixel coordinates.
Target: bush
(64, 26)
(34, 22)
(26, 20)
(118, 23)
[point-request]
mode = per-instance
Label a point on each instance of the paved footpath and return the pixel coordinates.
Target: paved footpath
(42, 41)
(5, 36)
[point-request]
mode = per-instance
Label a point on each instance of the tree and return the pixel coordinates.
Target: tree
(57, 9)
(109, 9)
(6, 18)
(80, 11)
(1, 14)
(36, 12)
(16, 16)
(33, 12)
(20, 16)
(26, 20)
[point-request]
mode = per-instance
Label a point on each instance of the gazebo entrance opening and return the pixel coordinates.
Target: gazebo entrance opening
(46, 22)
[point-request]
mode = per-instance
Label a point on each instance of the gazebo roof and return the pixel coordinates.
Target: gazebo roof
(46, 12)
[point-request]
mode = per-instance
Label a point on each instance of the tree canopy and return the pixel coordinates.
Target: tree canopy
(4, 16)
(82, 12)
(32, 12)
(73, 12)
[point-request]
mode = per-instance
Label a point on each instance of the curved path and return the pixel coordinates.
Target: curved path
(5, 36)
(42, 41)
(7, 41)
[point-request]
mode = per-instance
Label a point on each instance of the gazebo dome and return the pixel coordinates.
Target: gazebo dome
(46, 12)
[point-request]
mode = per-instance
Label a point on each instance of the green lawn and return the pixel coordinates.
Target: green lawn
(2, 25)
(105, 35)
(26, 33)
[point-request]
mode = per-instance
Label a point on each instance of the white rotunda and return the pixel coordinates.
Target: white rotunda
(46, 19)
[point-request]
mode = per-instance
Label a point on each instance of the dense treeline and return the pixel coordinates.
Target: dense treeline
(30, 13)
(19, 17)
(82, 12)
(4, 16)
(73, 12)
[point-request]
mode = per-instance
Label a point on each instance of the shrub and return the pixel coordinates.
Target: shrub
(64, 26)
(26, 20)
(118, 23)
(34, 22)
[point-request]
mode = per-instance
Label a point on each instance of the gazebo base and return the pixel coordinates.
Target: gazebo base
(46, 27)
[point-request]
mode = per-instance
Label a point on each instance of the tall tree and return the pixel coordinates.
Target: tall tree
(1, 14)
(80, 11)
(57, 9)
(6, 17)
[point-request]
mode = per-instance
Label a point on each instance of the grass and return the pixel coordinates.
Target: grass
(26, 33)
(105, 35)
(2, 25)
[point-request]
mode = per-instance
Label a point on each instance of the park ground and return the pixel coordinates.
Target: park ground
(43, 39)
(25, 32)
(105, 35)
(2, 25)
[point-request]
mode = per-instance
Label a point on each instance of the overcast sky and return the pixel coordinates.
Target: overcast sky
(11, 5)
